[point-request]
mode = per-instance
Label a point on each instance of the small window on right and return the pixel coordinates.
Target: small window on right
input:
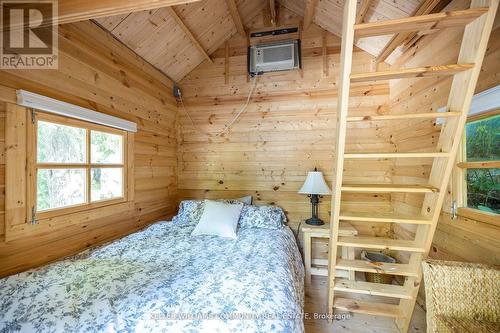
(482, 162)
(477, 177)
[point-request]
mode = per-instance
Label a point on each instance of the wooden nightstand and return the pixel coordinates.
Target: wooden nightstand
(311, 264)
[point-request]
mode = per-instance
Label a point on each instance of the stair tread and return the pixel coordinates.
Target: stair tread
(463, 87)
(376, 267)
(380, 243)
(396, 155)
(402, 73)
(371, 308)
(369, 288)
(419, 23)
(383, 217)
(404, 116)
(416, 188)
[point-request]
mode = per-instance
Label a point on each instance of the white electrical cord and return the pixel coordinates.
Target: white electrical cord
(227, 126)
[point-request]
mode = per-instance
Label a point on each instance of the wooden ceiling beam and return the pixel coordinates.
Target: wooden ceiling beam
(273, 12)
(360, 15)
(309, 13)
(188, 32)
(363, 9)
(238, 23)
(425, 8)
(77, 10)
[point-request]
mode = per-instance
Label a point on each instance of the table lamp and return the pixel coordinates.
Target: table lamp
(314, 187)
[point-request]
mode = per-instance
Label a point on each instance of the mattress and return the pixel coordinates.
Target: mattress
(162, 279)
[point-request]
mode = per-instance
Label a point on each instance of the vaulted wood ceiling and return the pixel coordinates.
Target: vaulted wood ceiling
(177, 39)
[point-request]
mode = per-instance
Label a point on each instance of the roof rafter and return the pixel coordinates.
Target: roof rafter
(188, 32)
(415, 37)
(76, 10)
(238, 23)
(363, 9)
(273, 12)
(309, 13)
(425, 8)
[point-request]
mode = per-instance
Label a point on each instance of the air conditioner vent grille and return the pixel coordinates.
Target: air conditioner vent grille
(281, 53)
(271, 57)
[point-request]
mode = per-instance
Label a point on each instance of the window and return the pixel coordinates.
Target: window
(479, 167)
(74, 165)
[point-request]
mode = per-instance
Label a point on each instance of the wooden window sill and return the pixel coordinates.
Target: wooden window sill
(51, 224)
(478, 215)
(48, 214)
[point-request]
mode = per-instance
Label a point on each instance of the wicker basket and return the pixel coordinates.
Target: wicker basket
(378, 257)
(461, 297)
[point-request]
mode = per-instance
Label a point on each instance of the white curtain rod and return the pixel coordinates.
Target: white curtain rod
(44, 103)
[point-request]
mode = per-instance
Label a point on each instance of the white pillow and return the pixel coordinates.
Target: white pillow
(219, 219)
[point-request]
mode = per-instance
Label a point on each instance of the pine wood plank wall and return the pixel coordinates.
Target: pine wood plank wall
(462, 239)
(98, 72)
(287, 130)
(2, 170)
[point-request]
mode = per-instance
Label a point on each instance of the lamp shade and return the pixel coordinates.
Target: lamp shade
(315, 184)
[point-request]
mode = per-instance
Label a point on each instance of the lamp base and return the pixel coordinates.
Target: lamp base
(314, 221)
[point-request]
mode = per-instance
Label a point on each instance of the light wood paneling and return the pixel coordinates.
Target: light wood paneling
(328, 15)
(309, 12)
(159, 38)
(287, 130)
(235, 14)
(425, 7)
(97, 72)
(74, 10)
(3, 107)
(70, 11)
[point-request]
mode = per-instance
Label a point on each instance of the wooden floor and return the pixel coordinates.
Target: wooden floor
(315, 303)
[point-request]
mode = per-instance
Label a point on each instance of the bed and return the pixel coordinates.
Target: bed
(162, 279)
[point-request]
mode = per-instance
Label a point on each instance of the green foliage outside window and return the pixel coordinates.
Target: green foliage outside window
(62, 187)
(483, 144)
(58, 143)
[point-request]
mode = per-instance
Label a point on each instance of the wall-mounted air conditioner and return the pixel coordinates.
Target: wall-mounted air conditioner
(274, 56)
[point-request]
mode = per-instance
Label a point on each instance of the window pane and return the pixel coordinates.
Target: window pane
(483, 139)
(107, 183)
(60, 143)
(106, 148)
(483, 189)
(58, 188)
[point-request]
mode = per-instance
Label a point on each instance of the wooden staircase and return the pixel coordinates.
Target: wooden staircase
(478, 22)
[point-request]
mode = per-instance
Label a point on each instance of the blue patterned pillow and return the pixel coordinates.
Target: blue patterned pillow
(189, 212)
(267, 217)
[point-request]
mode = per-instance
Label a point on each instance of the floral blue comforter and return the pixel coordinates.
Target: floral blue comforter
(162, 279)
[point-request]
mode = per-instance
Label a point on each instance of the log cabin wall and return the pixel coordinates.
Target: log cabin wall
(462, 239)
(287, 130)
(98, 72)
